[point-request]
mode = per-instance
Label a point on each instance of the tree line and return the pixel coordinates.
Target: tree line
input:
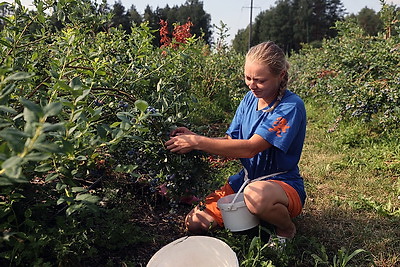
(293, 22)
(125, 18)
(191, 10)
(289, 23)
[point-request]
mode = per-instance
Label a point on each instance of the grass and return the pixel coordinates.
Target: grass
(352, 213)
(351, 176)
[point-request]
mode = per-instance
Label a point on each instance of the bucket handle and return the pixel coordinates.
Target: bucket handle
(247, 181)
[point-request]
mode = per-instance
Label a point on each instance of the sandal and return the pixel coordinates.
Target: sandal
(278, 242)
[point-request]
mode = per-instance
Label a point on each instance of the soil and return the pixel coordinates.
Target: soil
(161, 226)
(157, 223)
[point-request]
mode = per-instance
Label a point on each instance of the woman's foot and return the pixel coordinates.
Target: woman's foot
(288, 232)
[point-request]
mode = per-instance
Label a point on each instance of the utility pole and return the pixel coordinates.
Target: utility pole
(251, 21)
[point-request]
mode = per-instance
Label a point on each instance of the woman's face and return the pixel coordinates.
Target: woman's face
(261, 81)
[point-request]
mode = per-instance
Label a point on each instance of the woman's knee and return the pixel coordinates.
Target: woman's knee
(253, 199)
(260, 197)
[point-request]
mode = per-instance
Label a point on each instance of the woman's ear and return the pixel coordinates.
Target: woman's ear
(283, 73)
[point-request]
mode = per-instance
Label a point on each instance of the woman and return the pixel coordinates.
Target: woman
(267, 134)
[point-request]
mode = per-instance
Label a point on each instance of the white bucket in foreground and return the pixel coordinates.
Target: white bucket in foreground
(237, 217)
(198, 251)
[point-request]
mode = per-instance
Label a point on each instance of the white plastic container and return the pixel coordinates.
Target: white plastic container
(196, 251)
(236, 216)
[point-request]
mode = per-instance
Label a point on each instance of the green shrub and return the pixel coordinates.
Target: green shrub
(81, 103)
(355, 73)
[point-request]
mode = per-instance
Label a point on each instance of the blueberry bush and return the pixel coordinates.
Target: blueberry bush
(355, 73)
(83, 104)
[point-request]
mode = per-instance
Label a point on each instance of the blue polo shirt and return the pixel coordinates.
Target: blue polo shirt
(284, 128)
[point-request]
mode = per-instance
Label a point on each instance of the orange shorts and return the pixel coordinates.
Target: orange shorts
(295, 206)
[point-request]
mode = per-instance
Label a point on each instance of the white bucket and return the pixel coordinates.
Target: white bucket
(236, 216)
(199, 251)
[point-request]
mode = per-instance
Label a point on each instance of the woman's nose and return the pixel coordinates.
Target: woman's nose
(252, 84)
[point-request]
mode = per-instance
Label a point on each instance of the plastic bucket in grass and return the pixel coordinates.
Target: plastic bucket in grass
(236, 215)
(197, 251)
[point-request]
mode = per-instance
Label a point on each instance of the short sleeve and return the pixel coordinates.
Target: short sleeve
(282, 126)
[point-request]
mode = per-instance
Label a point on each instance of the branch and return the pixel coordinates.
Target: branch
(130, 98)
(37, 87)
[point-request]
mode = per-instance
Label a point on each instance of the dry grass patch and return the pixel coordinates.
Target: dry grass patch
(353, 192)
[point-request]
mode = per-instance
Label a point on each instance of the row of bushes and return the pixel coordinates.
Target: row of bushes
(78, 106)
(355, 73)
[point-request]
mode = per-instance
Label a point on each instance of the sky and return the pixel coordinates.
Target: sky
(234, 13)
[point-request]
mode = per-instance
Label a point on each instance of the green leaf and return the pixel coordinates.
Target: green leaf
(12, 167)
(62, 85)
(52, 109)
(74, 207)
(18, 76)
(50, 177)
(61, 15)
(87, 198)
(124, 117)
(28, 213)
(60, 186)
(101, 132)
(76, 83)
(5, 43)
(30, 117)
(48, 147)
(7, 109)
(45, 167)
(82, 96)
(31, 106)
(10, 162)
(115, 124)
(63, 199)
(55, 74)
(10, 134)
(141, 105)
(40, 14)
(67, 147)
(77, 115)
(14, 138)
(125, 168)
(357, 251)
(37, 156)
(4, 181)
(8, 89)
(78, 189)
(48, 127)
(5, 124)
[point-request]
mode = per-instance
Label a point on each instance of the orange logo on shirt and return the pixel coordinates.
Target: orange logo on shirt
(279, 126)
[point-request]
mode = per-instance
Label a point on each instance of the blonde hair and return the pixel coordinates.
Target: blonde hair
(273, 57)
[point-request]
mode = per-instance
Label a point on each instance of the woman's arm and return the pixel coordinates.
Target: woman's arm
(234, 148)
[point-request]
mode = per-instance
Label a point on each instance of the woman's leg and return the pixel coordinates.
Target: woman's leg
(269, 201)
